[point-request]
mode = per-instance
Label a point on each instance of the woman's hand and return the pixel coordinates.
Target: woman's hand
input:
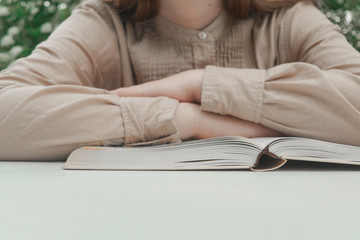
(190, 119)
(197, 124)
(185, 87)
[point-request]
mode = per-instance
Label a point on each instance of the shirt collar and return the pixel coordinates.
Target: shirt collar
(213, 31)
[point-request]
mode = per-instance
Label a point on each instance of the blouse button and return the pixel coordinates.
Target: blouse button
(202, 35)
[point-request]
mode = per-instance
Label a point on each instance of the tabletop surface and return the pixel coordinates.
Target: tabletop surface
(39, 200)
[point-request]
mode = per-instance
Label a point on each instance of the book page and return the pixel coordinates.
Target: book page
(315, 150)
(215, 153)
(263, 142)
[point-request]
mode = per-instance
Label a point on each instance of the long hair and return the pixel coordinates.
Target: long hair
(139, 10)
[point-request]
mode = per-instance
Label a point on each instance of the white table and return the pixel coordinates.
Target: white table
(39, 200)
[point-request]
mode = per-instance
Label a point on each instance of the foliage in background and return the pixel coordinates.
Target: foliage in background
(23, 24)
(346, 14)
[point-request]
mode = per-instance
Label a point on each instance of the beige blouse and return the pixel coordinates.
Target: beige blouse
(290, 70)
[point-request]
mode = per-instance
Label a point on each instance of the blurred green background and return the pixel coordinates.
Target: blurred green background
(23, 24)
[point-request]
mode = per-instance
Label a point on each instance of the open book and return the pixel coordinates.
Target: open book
(258, 154)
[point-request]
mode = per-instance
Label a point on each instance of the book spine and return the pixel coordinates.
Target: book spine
(267, 161)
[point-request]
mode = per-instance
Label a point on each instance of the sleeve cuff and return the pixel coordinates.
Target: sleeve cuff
(149, 121)
(236, 92)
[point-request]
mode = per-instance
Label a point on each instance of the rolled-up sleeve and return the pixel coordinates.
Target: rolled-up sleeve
(314, 94)
(51, 102)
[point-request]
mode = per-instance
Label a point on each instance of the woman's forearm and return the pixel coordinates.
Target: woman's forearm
(197, 124)
(190, 119)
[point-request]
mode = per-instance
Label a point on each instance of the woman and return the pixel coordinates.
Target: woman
(226, 67)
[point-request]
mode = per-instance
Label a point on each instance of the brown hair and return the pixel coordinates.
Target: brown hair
(138, 10)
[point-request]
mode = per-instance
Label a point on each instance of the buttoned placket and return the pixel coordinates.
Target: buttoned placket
(202, 42)
(203, 50)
